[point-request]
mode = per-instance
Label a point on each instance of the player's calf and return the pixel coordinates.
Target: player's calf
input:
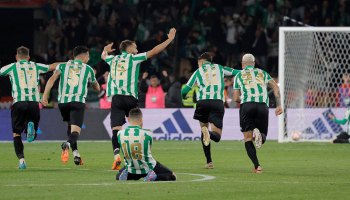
(206, 136)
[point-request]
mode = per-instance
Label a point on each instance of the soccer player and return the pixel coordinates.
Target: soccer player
(25, 113)
(74, 77)
(343, 137)
(136, 148)
(122, 83)
(250, 90)
(210, 106)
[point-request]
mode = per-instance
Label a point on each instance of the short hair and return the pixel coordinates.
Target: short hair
(154, 76)
(125, 44)
(135, 114)
(80, 50)
(248, 58)
(206, 56)
(22, 51)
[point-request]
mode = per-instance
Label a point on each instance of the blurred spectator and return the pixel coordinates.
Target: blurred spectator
(228, 93)
(228, 28)
(344, 91)
(191, 100)
(173, 98)
(104, 102)
(233, 30)
(260, 46)
(156, 90)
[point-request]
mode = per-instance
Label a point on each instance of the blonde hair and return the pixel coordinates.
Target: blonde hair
(248, 58)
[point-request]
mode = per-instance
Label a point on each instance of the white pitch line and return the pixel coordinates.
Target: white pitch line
(203, 177)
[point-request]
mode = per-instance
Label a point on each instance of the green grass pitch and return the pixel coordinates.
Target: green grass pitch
(291, 171)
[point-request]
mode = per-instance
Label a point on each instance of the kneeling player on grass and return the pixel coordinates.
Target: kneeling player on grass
(25, 112)
(74, 77)
(210, 106)
(136, 149)
(250, 90)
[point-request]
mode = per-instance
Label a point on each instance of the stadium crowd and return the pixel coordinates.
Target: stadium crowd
(227, 28)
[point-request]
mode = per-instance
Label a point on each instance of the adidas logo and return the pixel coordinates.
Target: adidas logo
(170, 126)
(320, 128)
(177, 125)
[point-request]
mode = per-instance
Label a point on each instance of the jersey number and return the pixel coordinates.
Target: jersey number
(119, 70)
(73, 77)
(248, 81)
(136, 150)
(210, 80)
(27, 78)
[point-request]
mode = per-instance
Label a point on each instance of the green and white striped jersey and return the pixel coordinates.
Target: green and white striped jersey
(252, 82)
(210, 80)
(74, 79)
(136, 147)
(124, 74)
(24, 77)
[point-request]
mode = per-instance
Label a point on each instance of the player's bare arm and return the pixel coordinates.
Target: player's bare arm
(276, 92)
(106, 50)
(236, 96)
(96, 86)
(160, 47)
(53, 66)
(48, 87)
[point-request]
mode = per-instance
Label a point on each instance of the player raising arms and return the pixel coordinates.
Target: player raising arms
(250, 90)
(74, 77)
(136, 148)
(210, 106)
(25, 113)
(122, 83)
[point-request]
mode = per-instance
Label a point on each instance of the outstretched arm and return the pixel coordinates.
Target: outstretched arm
(228, 71)
(160, 47)
(53, 66)
(276, 92)
(338, 121)
(106, 50)
(48, 87)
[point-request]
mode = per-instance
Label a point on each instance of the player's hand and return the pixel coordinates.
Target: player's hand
(44, 101)
(165, 73)
(331, 116)
(144, 75)
(172, 33)
(108, 48)
(278, 110)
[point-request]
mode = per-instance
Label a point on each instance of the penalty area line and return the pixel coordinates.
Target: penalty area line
(202, 177)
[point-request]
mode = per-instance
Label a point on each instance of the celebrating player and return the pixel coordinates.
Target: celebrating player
(136, 148)
(122, 83)
(25, 113)
(74, 77)
(210, 106)
(250, 90)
